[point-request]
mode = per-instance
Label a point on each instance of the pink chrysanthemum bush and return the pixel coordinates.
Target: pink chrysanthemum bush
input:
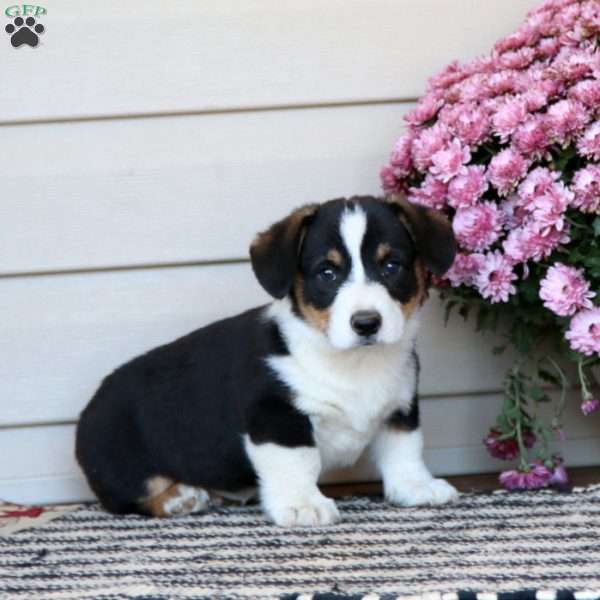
(508, 146)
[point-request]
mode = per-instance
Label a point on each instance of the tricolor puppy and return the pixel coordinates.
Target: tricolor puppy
(282, 393)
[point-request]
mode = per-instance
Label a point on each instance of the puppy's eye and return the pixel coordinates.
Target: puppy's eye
(327, 274)
(391, 267)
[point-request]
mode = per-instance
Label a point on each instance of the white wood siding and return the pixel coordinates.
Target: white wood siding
(107, 57)
(144, 144)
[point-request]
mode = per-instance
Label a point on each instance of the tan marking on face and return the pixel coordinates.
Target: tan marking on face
(383, 251)
(334, 257)
(408, 308)
(316, 317)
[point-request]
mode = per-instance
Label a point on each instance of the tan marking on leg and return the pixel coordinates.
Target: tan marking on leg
(157, 485)
(316, 317)
(168, 499)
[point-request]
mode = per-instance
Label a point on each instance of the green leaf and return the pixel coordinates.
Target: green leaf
(448, 310)
(596, 226)
(548, 377)
(592, 262)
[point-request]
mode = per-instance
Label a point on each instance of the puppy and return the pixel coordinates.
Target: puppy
(282, 393)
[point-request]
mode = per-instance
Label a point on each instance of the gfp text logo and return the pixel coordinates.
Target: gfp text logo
(24, 30)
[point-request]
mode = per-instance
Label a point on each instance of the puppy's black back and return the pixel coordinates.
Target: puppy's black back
(180, 411)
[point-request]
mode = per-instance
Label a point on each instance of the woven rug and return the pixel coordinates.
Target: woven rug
(483, 545)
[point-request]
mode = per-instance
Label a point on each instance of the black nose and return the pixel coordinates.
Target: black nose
(366, 322)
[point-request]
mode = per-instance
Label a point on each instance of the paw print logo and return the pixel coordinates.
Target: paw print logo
(24, 32)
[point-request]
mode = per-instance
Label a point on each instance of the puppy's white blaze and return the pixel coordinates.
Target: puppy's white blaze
(358, 293)
(353, 227)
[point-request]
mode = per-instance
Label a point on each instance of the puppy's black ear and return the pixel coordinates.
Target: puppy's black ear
(274, 253)
(431, 232)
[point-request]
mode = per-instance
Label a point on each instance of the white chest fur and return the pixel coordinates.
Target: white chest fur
(347, 394)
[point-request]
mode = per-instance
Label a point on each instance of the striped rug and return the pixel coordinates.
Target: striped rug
(530, 546)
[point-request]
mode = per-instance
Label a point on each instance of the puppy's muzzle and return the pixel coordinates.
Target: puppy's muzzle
(366, 323)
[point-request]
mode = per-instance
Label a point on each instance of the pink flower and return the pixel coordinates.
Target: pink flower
(429, 141)
(587, 92)
(535, 97)
(590, 18)
(477, 227)
(516, 59)
(509, 116)
(514, 213)
(530, 137)
(514, 41)
(537, 183)
(527, 242)
(548, 209)
(586, 188)
(400, 157)
(474, 88)
(448, 162)
(466, 189)
(468, 122)
(565, 119)
(426, 109)
(548, 47)
(538, 476)
(564, 290)
(507, 449)
(560, 477)
(452, 74)
(506, 170)
(494, 280)
(464, 269)
(589, 406)
(388, 180)
(433, 193)
(589, 143)
(502, 82)
(573, 64)
(584, 331)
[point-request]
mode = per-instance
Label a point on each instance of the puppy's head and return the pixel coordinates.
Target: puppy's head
(354, 269)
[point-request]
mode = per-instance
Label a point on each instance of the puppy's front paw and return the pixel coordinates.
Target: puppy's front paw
(314, 511)
(418, 492)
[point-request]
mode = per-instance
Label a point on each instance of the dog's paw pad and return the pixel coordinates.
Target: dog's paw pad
(317, 511)
(24, 32)
(419, 492)
(188, 500)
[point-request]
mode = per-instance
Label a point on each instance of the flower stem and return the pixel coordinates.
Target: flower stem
(585, 391)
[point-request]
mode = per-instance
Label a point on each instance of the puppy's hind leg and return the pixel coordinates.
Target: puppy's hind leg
(169, 499)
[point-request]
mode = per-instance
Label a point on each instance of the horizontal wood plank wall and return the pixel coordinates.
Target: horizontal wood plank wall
(66, 332)
(107, 57)
(45, 469)
(197, 188)
(161, 139)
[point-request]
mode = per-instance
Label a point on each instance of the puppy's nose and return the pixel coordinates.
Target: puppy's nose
(366, 322)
